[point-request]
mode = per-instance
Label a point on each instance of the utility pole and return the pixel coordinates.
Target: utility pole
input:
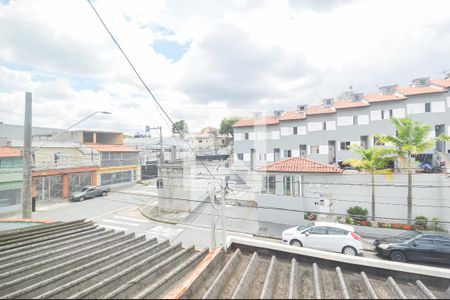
(212, 197)
(26, 183)
(215, 142)
(161, 151)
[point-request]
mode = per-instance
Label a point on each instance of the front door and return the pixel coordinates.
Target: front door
(421, 249)
(316, 239)
(332, 152)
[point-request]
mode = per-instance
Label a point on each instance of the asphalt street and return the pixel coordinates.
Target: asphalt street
(120, 211)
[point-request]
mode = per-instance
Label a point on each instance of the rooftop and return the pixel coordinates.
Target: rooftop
(299, 165)
(372, 98)
(441, 82)
(419, 90)
(268, 120)
(341, 104)
(80, 260)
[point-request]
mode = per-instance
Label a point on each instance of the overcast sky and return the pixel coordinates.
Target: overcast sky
(206, 60)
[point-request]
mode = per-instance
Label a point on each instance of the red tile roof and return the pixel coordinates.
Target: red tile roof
(442, 82)
(382, 98)
(9, 152)
(112, 148)
(254, 122)
(319, 110)
(293, 115)
(418, 90)
(340, 104)
(299, 165)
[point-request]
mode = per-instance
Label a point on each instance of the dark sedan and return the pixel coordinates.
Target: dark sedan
(89, 192)
(416, 246)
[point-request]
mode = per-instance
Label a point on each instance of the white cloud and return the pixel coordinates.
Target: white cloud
(243, 56)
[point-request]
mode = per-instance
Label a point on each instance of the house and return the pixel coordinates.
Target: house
(209, 141)
(65, 161)
(298, 185)
(10, 178)
(324, 132)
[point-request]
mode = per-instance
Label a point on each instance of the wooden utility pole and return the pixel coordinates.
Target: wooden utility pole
(27, 177)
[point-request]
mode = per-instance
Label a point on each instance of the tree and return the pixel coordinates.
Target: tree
(412, 138)
(226, 126)
(180, 127)
(374, 160)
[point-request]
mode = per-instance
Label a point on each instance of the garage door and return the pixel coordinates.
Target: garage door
(79, 180)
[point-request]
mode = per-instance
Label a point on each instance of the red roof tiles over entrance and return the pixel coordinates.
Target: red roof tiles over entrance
(111, 148)
(299, 165)
(9, 152)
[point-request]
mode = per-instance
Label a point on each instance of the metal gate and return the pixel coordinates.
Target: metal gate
(79, 180)
(48, 187)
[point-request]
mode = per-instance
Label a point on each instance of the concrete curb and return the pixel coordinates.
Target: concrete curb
(157, 219)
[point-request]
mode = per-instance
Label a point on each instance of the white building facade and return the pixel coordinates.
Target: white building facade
(324, 133)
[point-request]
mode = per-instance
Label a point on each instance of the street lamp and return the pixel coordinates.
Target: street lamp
(29, 152)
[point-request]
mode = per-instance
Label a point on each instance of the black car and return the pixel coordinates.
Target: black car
(89, 192)
(416, 246)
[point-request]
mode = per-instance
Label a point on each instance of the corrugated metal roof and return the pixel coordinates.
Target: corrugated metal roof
(80, 260)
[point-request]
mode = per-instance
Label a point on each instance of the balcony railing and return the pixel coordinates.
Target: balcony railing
(64, 164)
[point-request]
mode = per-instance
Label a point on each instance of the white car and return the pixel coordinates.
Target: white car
(325, 236)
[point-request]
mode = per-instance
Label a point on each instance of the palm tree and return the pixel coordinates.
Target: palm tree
(413, 137)
(374, 160)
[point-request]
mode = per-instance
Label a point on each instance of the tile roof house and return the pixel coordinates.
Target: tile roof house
(299, 165)
(268, 120)
(374, 98)
(78, 259)
(419, 90)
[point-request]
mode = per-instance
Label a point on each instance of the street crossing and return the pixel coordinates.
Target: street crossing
(139, 226)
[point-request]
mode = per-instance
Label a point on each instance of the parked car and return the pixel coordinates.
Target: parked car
(416, 246)
(327, 236)
(89, 192)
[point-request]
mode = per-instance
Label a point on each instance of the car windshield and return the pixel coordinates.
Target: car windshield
(300, 228)
(408, 235)
(85, 189)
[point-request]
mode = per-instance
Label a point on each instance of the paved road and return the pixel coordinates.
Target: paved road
(120, 211)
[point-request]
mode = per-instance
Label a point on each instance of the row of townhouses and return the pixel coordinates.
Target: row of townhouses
(324, 132)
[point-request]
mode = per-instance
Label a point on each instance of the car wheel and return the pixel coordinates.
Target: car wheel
(398, 256)
(296, 243)
(349, 250)
(81, 199)
(104, 194)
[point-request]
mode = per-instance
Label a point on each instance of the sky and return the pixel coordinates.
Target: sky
(208, 59)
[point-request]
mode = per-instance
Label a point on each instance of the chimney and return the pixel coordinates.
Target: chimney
(423, 81)
(388, 89)
(173, 153)
(302, 108)
(328, 102)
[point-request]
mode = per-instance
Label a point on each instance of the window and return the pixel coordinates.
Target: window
(291, 186)
(246, 135)
(427, 107)
(270, 182)
(376, 142)
(287, 153)
(345, 146)
(200, 141)
(336, 231)
(223, 141)
(240, 156)
(314, 149)
(294, 130)
(324, 126)
(355, 120)
(318, 230)
(287, 184)
(262, 156)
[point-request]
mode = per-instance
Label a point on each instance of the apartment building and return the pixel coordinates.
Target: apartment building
(324, 132)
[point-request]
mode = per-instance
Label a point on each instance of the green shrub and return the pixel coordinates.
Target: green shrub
(358, 213)
(436, 222)
(421, 221)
